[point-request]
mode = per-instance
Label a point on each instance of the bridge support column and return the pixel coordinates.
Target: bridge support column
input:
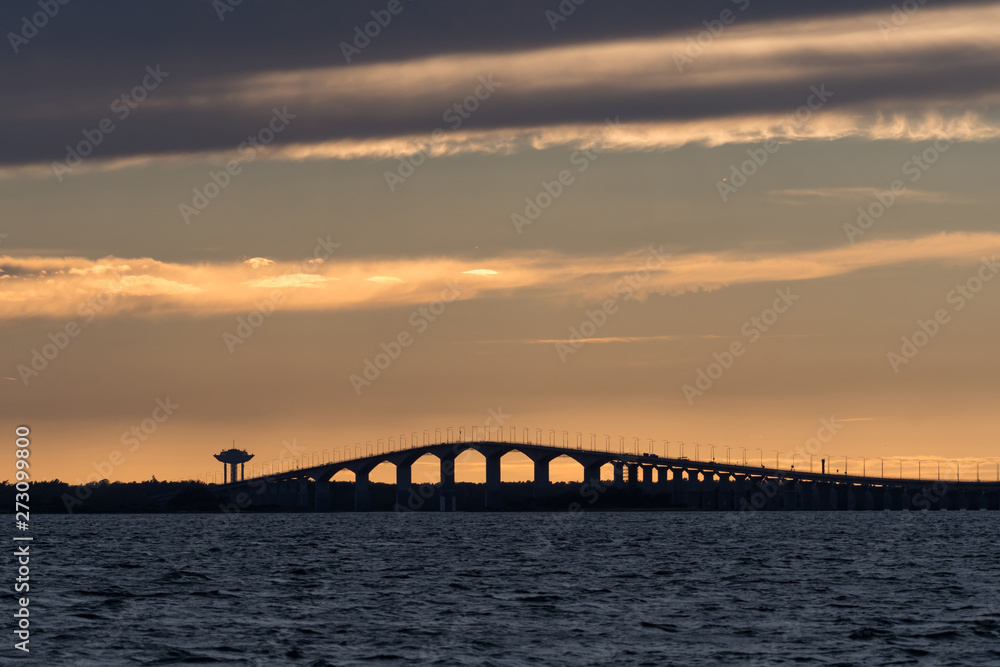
(494, 492)
(404, 484)
(662, 480)
(676, 487)
(321, 498)
(541, 487)
(619, 467)
(692, 489)
(647, 479)
(449, 492)
(362, 491)
(726, 501)
(633, 476)
(592, 475)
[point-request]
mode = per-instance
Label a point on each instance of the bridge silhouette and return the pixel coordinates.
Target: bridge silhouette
(678, 482)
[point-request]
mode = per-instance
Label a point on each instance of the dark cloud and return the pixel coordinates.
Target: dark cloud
(62, 81)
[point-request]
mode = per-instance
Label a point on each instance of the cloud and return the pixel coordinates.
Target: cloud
(49, 287)
(607, 339)
(942, 64)
(804, 196)
(289, 280)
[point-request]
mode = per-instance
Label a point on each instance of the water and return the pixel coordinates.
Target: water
(626, 588)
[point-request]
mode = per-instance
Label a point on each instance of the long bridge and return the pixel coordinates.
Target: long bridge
(677, 483)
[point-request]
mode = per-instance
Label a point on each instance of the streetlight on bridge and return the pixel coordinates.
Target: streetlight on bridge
(666, 449)
(744, 455)
(761, 456)
(696, 455)
(727, 454)
(777, 465)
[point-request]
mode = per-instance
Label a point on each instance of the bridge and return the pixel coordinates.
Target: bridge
(676, 483)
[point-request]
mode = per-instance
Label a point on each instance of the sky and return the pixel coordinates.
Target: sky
(305, 228)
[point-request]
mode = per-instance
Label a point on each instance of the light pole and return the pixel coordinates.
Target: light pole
(744, 455)
(727, 455)
(712, 452)
(696, 455)
(666, 449)
(864, 466)
(761, 456)
(776, 464)
(681, 443)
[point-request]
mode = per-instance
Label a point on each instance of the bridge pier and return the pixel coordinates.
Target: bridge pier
(322, 497)
(693, 490)
(726, 496)
(663, 481)
(362, 490)
(592, 474)
(541, 485)
(448, 497)
(647, 479)
(633, 476)
(404, 485)
(619, 467)
(494, 492)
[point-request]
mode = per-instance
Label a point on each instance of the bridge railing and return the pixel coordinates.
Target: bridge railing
(925, 468)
